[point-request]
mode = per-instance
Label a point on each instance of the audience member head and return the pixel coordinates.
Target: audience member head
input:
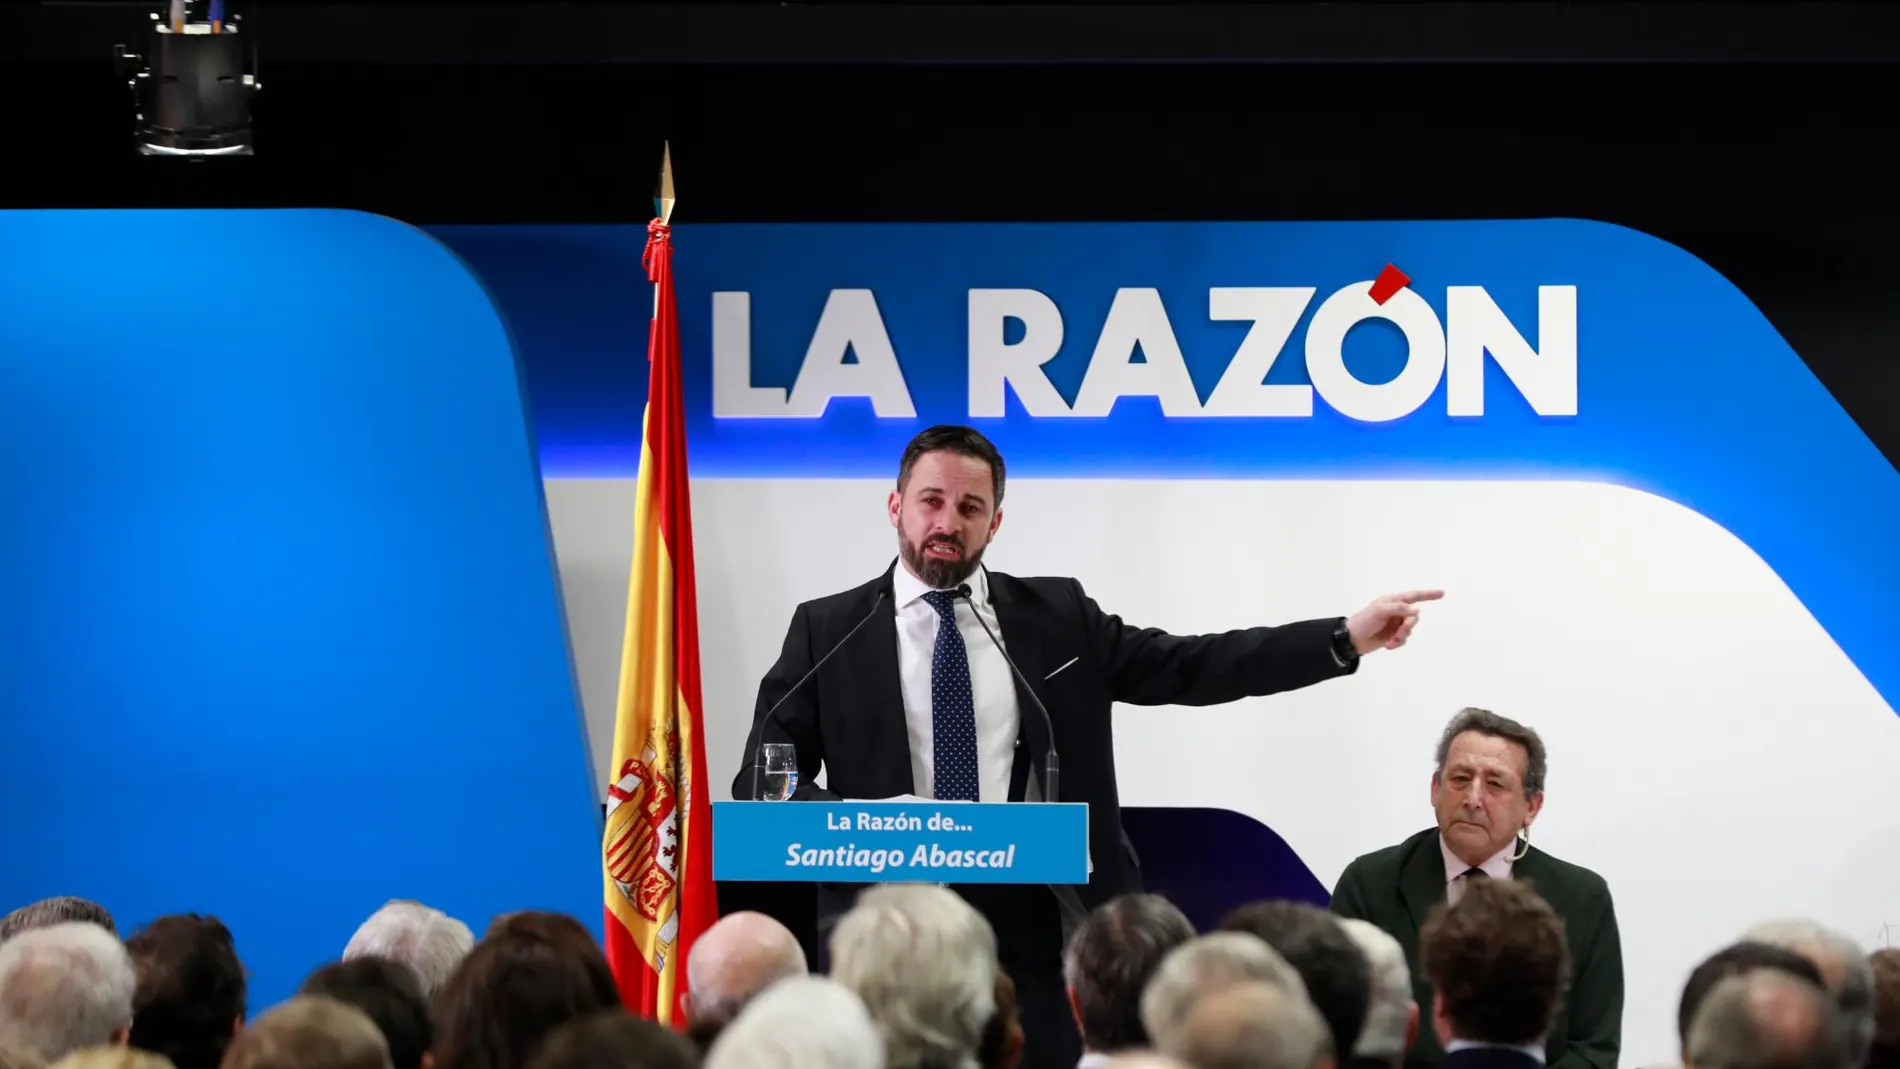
(615, 1040)
(809, 1022)
(191, 990)
(508, 995)
(65, 987)
(565, 934)
(1488, 785)
(1498, 964)
(1109, 961)
(1338, 980)
(64, 909)
(1844, 970)
(1884, 1053)
(390, 995)
(309, 1032)
(1254, 1025)
(1143, 1059)
(1768, 1019)
(1391, 1015)
(741, 955)
(1192, 972)
(13, 1058)
(924, 963)
(1734, 960)
(429, 941)
(1002, 1044)
(109, 1058)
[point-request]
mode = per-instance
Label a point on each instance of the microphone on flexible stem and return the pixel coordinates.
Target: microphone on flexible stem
(758, 752)
(1052, 766)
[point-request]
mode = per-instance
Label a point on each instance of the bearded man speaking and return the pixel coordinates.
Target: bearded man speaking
(920, 701)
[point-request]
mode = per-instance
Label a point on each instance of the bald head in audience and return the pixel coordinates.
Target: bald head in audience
(1767, 1019)
(732, 962)
(1255, 1025)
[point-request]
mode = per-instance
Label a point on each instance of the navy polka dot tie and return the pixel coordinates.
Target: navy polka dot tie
(952, 706)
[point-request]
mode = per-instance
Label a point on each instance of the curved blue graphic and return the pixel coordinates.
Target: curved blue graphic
(1681, 387)
(281, 636)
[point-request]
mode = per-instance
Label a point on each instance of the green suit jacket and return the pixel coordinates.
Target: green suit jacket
(1397, 887)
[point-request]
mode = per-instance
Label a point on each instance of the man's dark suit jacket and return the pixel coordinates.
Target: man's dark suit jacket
(1396, 887)
(1490, 1058)
(850, 717)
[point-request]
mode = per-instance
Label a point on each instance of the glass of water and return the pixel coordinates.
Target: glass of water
(780, 775)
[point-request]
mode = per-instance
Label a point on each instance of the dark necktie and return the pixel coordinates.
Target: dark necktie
(952, 706)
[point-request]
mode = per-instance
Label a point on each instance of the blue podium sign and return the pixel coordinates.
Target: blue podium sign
(901, 842)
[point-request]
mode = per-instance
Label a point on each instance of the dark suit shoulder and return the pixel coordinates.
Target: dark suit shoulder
(845, 605)
(1559, 878)
(1386, 862)
(1054, 590)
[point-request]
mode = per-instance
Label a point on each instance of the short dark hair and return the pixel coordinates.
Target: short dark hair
(1734, 960)
(47, 912)
(1885, 1052)
(510, 993)
(390, 994)
(1498, 961)
(1110, 959)
(951, 438)
(614, 1039)
(1486, 722)
(191, 989)
(1337, 976)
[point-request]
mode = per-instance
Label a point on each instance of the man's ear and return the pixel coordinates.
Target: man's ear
(1411, 1026)
(686, 1007)
(1075, 1008)
(121, 1038)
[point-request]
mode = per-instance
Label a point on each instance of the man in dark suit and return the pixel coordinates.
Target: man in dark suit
(1497, 964)
(1487, 790)
(911, 707)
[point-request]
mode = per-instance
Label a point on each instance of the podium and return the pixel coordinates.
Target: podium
(901, 841)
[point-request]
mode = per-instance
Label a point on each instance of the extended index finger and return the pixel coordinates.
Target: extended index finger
(1414, 596)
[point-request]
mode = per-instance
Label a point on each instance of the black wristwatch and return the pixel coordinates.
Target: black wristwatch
(1343, 650)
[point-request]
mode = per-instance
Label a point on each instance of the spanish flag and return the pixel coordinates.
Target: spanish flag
(657, 849)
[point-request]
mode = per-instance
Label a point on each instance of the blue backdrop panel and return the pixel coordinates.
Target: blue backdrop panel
(282, 636)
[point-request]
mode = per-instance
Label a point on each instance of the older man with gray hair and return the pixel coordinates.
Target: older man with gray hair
(1107, 965)
(924, 962)
(1768, 1019)
(1255, 1025)
(731, 962)
(64, 988)
(1392, 1013)
(1195, 970)
(429, 941)
(807, 1022)
(1843, 964)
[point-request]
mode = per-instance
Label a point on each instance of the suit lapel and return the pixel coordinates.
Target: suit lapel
(1422, 880)
(884, 689)
(1023, 639)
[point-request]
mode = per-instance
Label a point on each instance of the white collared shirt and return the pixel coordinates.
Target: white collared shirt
(1497, 866)
(993, 689)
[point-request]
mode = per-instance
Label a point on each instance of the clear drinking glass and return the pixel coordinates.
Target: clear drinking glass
(779, 777)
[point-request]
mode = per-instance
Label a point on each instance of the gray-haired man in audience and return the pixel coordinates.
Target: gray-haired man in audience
(1391, 1013)
(731, 963)
(1107, 964)
(1768, 1019)
(1843, 964)
(64, 988)
(804, 1023)
(923, 960)
(427, 940)
(1255, 1025)
(1192, 972)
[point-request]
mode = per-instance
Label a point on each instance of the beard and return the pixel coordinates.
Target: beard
(940, 573)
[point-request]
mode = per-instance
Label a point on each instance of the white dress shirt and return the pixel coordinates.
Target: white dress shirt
(1497, 867)
(993, 689)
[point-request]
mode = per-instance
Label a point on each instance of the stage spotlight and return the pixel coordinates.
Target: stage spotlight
(192, 89)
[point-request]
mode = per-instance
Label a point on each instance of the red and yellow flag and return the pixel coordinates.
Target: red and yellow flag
(657, 851)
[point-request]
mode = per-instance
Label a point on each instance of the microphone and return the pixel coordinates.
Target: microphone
(757, 751)
(1052, 767)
